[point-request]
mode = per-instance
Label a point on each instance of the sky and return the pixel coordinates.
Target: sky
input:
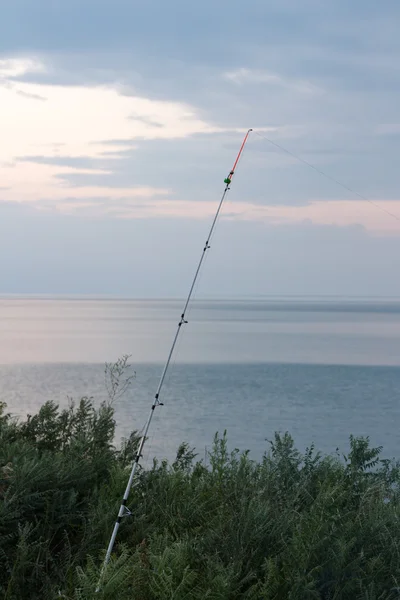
(120, 120)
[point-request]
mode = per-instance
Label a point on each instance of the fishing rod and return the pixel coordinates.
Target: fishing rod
(124, 510)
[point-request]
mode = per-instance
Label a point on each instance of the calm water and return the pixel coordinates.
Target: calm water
(321, 369)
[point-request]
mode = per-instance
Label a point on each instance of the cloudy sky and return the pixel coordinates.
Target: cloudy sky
(120, 119)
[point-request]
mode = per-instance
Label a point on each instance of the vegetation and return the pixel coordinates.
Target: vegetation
(291, 526)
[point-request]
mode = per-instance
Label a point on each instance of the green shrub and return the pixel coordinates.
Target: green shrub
(291, 526)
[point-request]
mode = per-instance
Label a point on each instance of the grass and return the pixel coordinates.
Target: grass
(290, 526)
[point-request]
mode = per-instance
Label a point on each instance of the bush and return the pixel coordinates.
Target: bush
(291, 526)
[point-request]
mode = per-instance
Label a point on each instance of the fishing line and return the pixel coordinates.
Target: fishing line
(343, 185)
(124, 510)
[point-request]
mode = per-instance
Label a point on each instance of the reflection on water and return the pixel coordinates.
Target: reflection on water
(249, 367)
(41, 331)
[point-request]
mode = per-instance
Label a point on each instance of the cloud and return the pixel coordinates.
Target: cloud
(79, 116)
(145, 120)
(153, 204)
(67, 133)
(45, 182)
(29, 95)
(15, 67)
(388, 129)
(145, 105)
(248, 76)
(54, 253)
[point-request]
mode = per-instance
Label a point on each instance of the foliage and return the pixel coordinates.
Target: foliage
(291, 526)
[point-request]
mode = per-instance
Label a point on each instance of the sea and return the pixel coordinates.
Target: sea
(319, 368)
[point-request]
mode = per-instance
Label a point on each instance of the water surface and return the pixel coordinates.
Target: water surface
(320, 369)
